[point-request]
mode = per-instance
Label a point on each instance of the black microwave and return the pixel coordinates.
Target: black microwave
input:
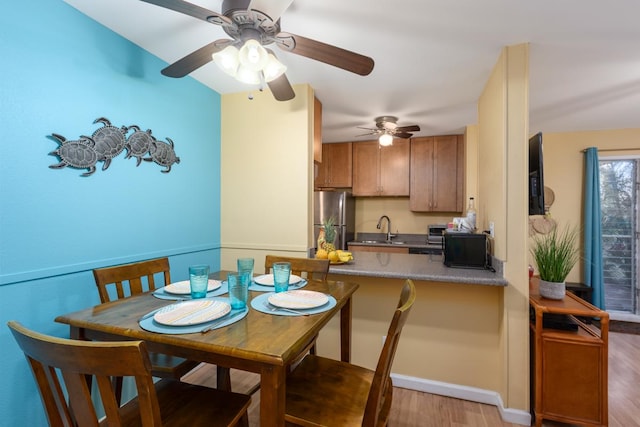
(465, 250)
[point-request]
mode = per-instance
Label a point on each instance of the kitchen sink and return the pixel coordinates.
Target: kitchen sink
(382, 242)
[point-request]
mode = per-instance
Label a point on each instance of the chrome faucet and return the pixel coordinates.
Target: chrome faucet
(389, 235)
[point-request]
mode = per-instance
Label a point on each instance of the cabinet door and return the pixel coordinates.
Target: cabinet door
(436, 182)
(421, 175)
(317, 131)
(336, 167)
(394, 168)
(340, 164)
(322, 176)
(384, 249)
(447, 174)
(366, 166)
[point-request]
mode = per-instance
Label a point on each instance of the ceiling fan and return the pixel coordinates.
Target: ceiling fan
(387, 128)
(252, 24)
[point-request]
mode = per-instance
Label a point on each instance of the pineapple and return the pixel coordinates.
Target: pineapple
(329, 235)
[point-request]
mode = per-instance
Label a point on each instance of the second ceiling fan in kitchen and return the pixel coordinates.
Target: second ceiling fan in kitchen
(387, 128)
(253, 24)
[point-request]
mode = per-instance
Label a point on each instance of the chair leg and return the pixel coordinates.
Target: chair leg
(244, 421)
(312, 349)
(223, 378)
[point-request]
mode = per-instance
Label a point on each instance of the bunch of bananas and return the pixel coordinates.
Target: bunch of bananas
(334, 256)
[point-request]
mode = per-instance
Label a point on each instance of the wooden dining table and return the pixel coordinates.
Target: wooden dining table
(263, 343)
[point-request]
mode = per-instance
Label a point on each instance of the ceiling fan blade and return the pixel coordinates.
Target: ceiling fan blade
(404, 135)
(195, 60)
(412, 128)
(192, 10)
(272, 8)
(371, 129)
(281, 88)
(367, 134)
(332, 55)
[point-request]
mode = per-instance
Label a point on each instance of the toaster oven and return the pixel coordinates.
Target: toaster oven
(434, 234)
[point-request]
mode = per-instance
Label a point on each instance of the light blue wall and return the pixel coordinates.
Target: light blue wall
(59, 72)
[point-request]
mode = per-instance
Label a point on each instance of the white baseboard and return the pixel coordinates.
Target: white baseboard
(516, 416)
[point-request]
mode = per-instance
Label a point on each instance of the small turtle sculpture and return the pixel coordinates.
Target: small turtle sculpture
(138, 143)
(163, 154)
(109, 141)
(79, 154)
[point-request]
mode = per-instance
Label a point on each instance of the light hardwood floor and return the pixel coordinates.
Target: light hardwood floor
(415, 409)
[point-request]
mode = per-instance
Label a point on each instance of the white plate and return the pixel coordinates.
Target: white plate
(184, 287)
(191, 312)
(298, 299)
(267, 279)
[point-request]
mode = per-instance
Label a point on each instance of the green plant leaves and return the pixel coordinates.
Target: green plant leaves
(556, 253)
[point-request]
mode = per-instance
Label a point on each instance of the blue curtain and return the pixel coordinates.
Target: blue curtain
(593, 275)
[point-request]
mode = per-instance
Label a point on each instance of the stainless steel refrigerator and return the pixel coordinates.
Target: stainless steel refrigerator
(342, 206)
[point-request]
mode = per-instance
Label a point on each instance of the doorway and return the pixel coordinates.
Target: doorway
(619, 202)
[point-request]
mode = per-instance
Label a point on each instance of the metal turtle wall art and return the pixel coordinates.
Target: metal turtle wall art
(107, 142)
(79, 154)
(138, 143)
(163, 154)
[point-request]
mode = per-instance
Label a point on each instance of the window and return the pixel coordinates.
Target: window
(619, 202)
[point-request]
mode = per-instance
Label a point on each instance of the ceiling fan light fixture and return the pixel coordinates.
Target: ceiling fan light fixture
(247, 75)
(385, 139)
(252, 55)
(273, 68)
(227, 60)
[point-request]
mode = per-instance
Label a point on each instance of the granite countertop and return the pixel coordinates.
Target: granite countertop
(416, 267)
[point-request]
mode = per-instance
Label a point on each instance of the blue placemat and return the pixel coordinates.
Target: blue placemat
(160, 293)
(262, 288)
(261, 303)
(152, 326)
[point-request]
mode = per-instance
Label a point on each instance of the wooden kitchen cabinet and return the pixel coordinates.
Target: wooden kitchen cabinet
(335, 171)
(385, 249)
(381, 171)
(317, 130)
(569, 368)
(437, 174)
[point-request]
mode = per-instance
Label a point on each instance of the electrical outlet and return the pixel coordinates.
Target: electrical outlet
(491, 229)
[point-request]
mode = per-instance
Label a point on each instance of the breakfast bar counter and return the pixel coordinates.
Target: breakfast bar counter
(454, 333)
(415, 267)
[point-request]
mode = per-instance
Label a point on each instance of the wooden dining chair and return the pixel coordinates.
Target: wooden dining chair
(127, 280)
(327, 392)
(312, 268)
(61, 366)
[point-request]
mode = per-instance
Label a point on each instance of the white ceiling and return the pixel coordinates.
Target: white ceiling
(432, 58)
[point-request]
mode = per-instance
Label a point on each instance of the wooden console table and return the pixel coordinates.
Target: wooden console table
(569, 368)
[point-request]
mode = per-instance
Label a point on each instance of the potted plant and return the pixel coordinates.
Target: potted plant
(555, 254)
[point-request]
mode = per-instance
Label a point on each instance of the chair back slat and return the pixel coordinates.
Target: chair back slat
(80, 398)
(79, 360)
(310, 268)
(127, 278)
(379, 400)
(53, 398)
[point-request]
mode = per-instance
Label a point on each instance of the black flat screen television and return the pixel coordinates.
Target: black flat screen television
(536, 175)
